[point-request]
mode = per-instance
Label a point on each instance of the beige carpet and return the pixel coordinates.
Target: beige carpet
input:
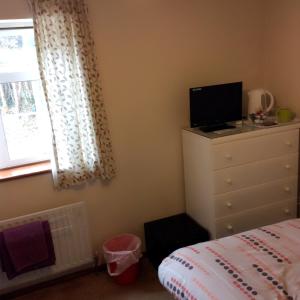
(101, 287)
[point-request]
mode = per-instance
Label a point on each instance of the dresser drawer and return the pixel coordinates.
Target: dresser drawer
(254, 218)
(234, 178)
(253, 149)
(255, 196)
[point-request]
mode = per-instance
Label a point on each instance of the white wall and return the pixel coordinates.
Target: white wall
(281, 64)
(14, 9)
(150, 53)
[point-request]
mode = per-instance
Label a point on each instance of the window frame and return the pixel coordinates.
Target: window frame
(5, 161)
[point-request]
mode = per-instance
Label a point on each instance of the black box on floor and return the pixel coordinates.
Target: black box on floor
(165, 235)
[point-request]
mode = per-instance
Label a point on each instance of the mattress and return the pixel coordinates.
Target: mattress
(263, 263)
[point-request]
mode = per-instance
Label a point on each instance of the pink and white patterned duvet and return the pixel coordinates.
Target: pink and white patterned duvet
(263, 263)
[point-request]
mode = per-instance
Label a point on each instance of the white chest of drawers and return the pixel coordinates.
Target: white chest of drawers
(241, 181)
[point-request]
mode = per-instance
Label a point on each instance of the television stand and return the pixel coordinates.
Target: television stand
(215, 127)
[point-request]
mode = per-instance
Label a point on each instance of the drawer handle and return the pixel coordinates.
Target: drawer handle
(287, 166)
(287, 211)
(288, 143)
(287, 189)
(229, 227)
(229, 204)
(228, 181)
(228, 156)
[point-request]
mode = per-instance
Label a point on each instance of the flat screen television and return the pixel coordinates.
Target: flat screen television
(213, 106)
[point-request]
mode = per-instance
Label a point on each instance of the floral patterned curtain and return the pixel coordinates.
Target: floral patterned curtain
(65, 49)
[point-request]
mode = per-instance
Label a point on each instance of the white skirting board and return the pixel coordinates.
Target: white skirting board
(72, 245)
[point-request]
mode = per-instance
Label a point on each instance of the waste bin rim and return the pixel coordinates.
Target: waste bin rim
(122, 235)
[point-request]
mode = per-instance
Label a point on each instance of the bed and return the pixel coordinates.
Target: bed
(263, 263)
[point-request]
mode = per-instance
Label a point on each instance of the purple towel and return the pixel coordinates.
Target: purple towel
(26, 248)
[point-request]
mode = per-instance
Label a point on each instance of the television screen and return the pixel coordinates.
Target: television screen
(216, 104)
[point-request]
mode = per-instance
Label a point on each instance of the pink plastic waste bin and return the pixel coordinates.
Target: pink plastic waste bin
(122, 254)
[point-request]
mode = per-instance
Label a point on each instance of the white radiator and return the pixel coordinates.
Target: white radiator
(71, 240)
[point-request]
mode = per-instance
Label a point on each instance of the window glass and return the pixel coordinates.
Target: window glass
(24, 125)
(17, 51)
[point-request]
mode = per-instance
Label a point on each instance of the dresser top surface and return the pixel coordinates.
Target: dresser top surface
(245, 130)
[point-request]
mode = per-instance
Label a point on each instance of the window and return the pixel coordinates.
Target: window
(24, 128)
